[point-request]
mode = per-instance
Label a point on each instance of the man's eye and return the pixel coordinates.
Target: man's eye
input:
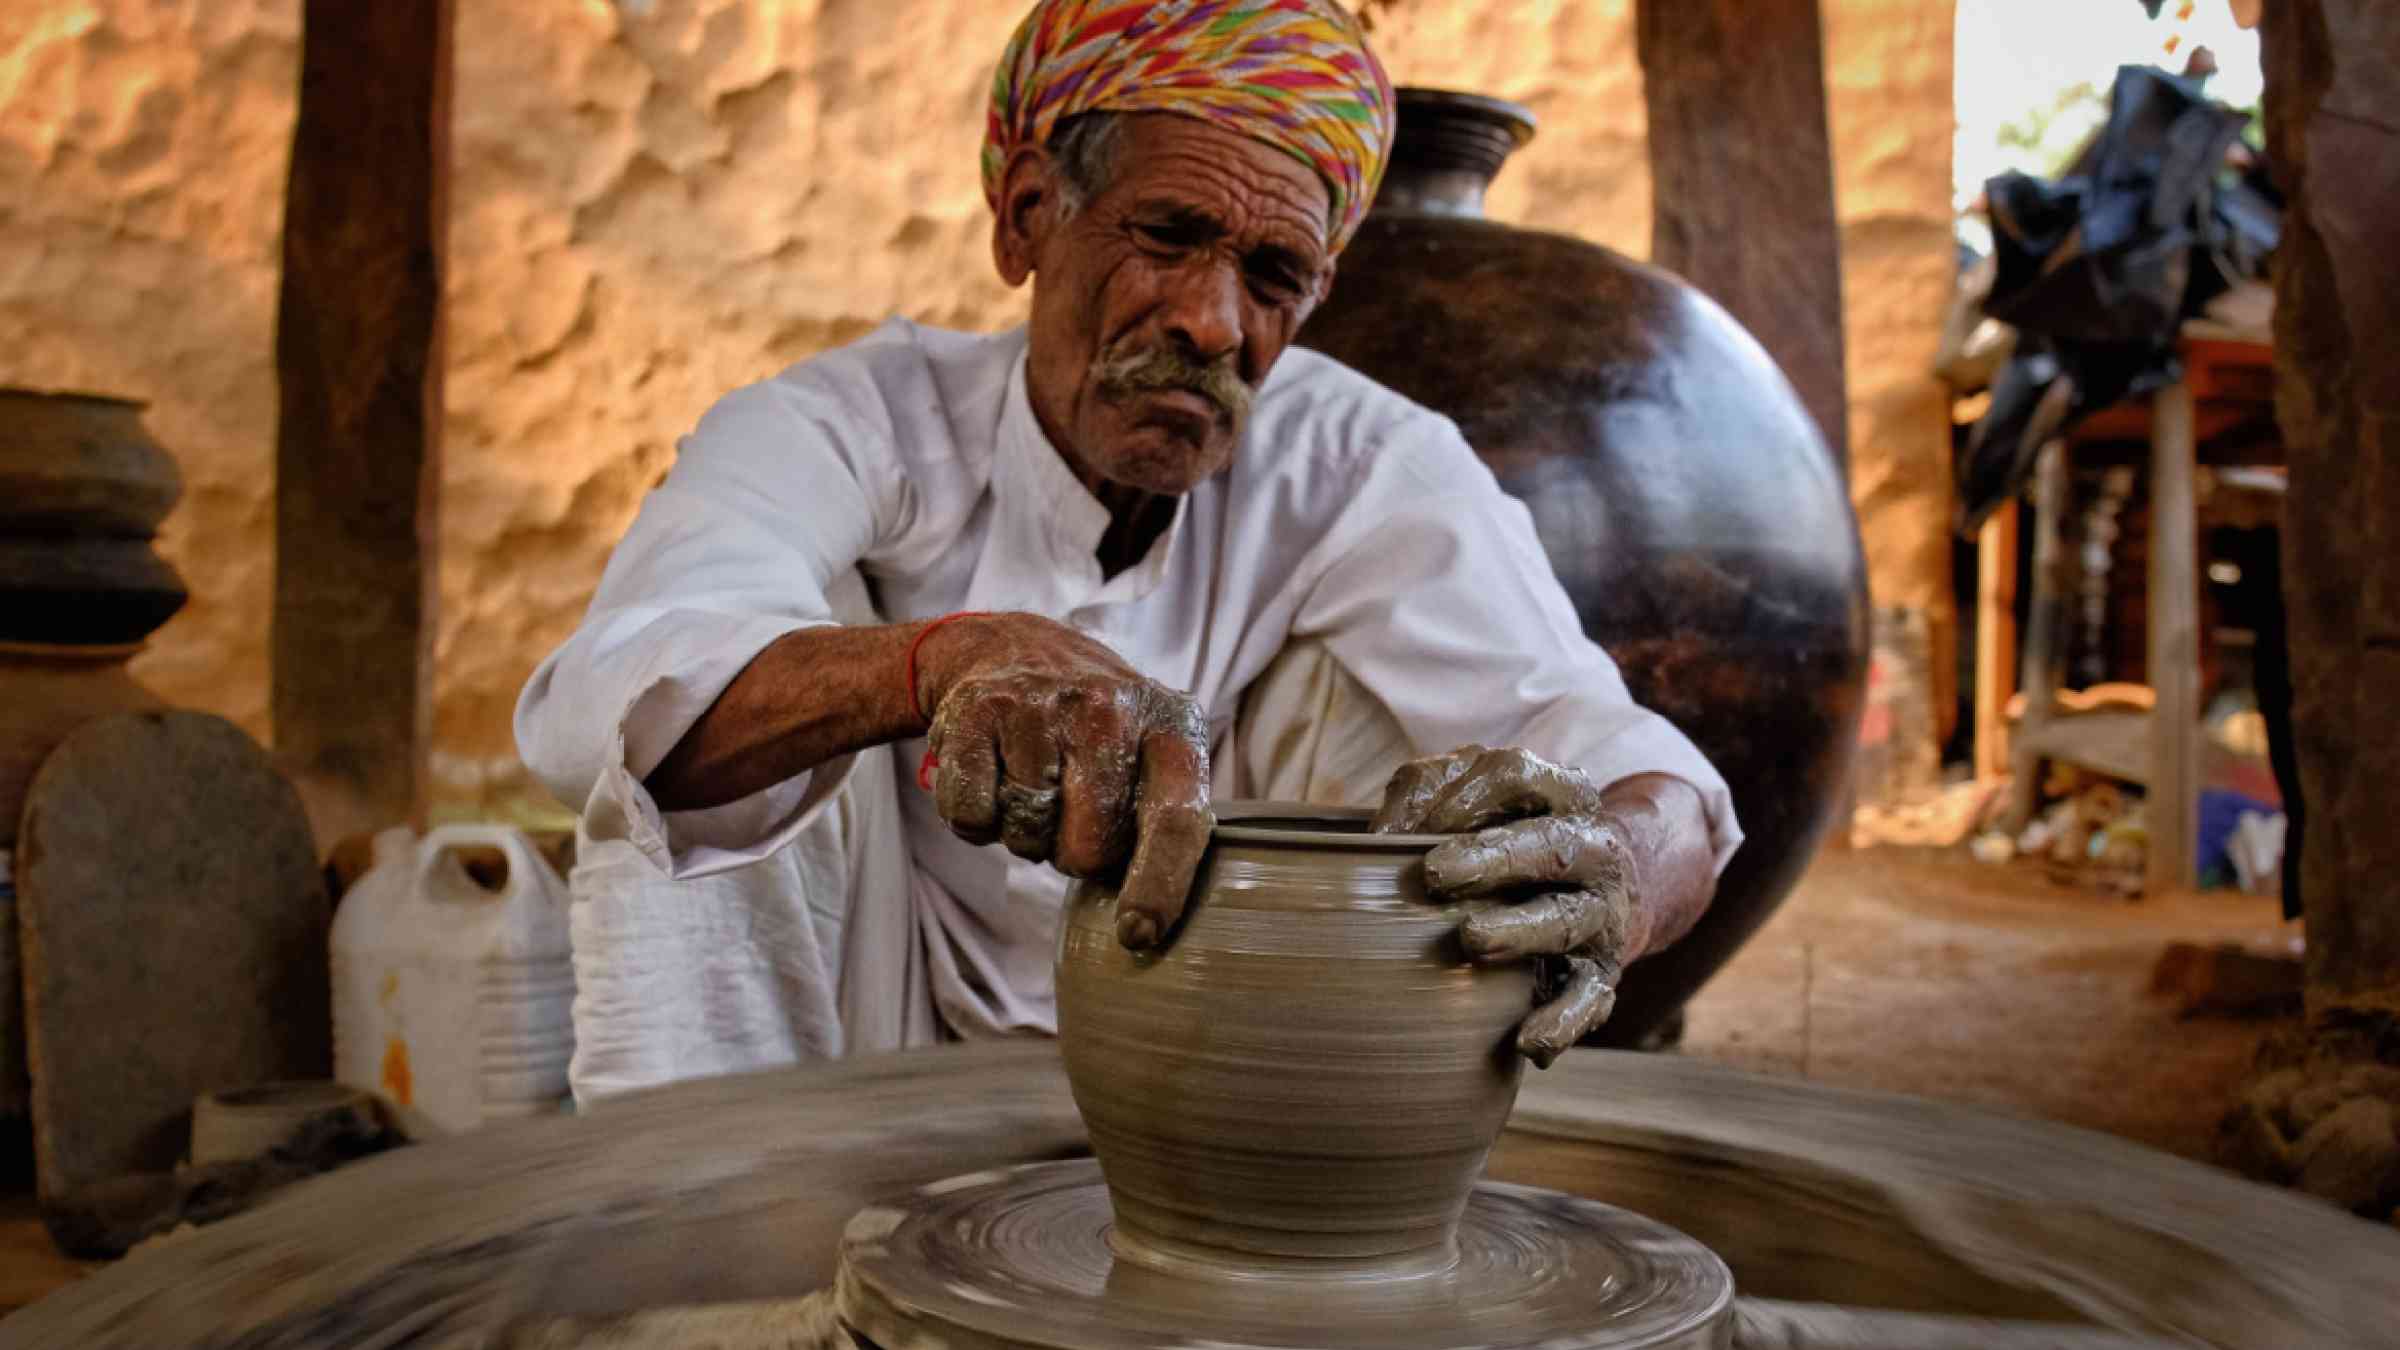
(1276, 285)
(1166, 238)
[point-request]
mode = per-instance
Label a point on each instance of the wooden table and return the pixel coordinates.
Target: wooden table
(2221, 412)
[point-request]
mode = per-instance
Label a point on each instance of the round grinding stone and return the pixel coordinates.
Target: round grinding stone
(1021, 1258)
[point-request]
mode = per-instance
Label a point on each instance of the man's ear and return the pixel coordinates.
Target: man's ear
(1028, 212)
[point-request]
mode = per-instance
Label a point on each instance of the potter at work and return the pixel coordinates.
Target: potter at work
(918, 630)
(1199, 675)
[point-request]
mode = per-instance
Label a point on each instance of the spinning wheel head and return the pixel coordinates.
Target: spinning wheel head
(1022, 1258)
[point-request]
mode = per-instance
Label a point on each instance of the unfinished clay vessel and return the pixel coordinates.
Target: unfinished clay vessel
(1679, 487)
(1309, 1073)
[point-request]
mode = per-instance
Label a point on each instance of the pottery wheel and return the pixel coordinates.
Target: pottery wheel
(1020, 1258)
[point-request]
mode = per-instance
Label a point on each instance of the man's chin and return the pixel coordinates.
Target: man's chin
(1167, 461)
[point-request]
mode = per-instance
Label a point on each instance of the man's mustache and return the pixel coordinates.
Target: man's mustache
(1127, 369)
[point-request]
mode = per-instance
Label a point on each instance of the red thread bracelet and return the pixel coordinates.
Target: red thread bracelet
(909, 668)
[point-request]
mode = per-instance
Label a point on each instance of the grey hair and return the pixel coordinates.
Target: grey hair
(1085, 149)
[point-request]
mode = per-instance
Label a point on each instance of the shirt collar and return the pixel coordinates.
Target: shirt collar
(1033, 486)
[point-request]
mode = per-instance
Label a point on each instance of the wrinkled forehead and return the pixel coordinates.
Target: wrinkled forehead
(1167, 163)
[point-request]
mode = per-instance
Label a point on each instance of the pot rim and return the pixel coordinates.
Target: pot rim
(1255, 821)
(1518, 120)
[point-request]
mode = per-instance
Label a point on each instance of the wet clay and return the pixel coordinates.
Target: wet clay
(1022, 1258)
(1309, 1069)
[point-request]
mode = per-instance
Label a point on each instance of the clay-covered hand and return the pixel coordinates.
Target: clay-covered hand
(1597, 877)
(1048, 742)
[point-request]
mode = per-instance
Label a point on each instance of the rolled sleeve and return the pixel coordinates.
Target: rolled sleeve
(696, 657)
(1433, 591)
(755, 534)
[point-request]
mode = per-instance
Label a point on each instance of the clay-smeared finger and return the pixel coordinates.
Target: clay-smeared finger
(966, 785)
(1096, 822)
(1584, 922)
(1589, 997)
(1172, 823)
(1509, 785)
(1539, 854)
(1028, 820)
(1415, 786)
(1028, 795)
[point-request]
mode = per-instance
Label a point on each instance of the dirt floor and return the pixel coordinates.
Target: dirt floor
(1925, 973)
(1899, 971)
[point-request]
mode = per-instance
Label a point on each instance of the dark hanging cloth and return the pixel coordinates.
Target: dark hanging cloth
(2098, 269)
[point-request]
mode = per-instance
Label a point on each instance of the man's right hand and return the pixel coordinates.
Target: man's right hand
(1048, 742)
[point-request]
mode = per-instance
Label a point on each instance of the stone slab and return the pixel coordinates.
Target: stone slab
(174, 928)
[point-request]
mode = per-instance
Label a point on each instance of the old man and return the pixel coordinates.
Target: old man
(923, 627)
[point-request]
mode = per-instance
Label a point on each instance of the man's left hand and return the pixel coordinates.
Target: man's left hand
(1598, 876)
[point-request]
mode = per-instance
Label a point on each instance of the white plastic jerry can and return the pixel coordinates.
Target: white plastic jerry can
(452, 1001)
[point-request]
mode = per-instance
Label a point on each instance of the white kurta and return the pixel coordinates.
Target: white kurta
(911, 461)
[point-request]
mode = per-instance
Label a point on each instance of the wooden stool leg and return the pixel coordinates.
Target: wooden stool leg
(2174, 646)
(1995, 638)
(2045, 628)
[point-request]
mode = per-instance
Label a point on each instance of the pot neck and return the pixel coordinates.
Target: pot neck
(1448, 149)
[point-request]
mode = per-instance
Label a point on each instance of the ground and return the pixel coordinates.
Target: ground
(1905, 972)
(1931, 974)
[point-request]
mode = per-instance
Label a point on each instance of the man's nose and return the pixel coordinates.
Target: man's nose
(1204, 311)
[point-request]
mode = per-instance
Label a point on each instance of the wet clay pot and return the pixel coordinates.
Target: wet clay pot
(1309, 1073)
(1683, 494)
(83, 488)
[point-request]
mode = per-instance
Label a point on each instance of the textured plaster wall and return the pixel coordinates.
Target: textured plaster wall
(1888, 85)
(655, 202)
(142, 155)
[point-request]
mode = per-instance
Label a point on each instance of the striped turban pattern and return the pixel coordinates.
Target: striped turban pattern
(1295, 74)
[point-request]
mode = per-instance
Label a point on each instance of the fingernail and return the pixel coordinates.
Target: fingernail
(1454, 864)
(1477, 937)
(1136, 930)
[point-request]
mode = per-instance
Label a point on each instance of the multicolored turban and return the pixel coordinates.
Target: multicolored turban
(1295, 74)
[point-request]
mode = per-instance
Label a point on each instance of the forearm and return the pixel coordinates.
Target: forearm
(810, 697)
(1665, 831)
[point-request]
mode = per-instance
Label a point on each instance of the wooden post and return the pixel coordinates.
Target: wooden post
(358, 352)
(2174, 655)
(1995, 638)
(1741, 175)
(2331, 86)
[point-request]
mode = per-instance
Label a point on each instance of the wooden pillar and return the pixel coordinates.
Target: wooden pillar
(1742, 179)
(2333, 1126)
(2331, 86)
(358, 353)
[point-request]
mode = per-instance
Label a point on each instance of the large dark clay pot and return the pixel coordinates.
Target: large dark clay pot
(1684, 495)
